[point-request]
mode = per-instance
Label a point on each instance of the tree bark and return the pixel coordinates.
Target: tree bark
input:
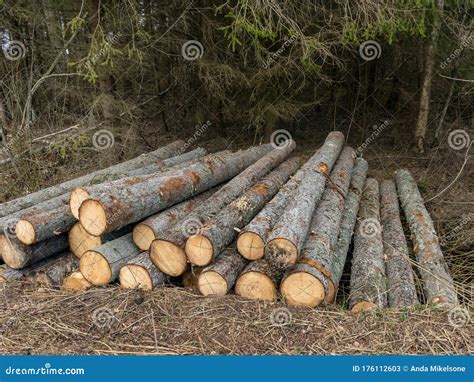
(368, 280)
(288, 235)
(168, 252)
(218, 278)
(53, 271)
(258, 281)
(102, 265)
(29, 200)
(346, 228)
(318, 250)
(437, 282)
(141, 273)
(220, 231)
(127, 204)
(76, 282)
(400, 281)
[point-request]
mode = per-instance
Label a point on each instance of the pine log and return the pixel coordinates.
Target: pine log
(346, 228)
(81, 241)
(53, 271)
(18, 255)
(220, 231)
(101, 265)
(76, 282)
(79, 194)
(400, 281)
(368, 280)
(219, 277)
(168, 252)
(288, 234)
(141, 273)
(29, 200)
(304, 285)
(438, 286)
(134, 201)
(258, 281)
(318, 250)
(145, 232)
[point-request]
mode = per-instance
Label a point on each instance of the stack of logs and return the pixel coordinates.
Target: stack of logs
(257, 221)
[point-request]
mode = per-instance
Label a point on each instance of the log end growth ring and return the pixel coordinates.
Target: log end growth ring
(199, 250)
(93, 217)
(25, 232)
(95, 268)
(256, 286)
(283, 253)
(251, 246)
(134, 276)
(143, 236)
(80, 241)
(212, 283)
(302, 289)
(168, 257)
(78, 195)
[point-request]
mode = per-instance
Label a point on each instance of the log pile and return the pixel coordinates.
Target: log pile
(257, 221)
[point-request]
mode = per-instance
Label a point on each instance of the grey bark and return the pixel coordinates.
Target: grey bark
(438, 285)
(368, 280)
(400, 281)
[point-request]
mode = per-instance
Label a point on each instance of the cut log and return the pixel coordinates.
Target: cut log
(318, 250)
(304, 285)
(145, 232)
(81, 241)
(130, 202)
(102, 265)
(141, 273)
(346, 228)
(76, 282)
(258, 281)
(219, 277)
(288, 235)
(168, 252)
(18, 255)
(438, 286)
(220, 231)
(400, 281)
(53, 271)
(29, 200)
(79, 194)
(368, 281)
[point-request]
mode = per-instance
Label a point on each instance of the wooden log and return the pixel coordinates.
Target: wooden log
(304, 285)
(32, 199)
(400, 281)
(101, 265)
(220, 231)
(438, 286)
(258, 281)
(141, 273)
(288, 234)
(346, 228)
(368, 280)
(18, 255)
(76, 282)
(81, 193)
(134, 201)
(53, 271)
(167, 251)
(81, 241)
(218, 278)
(318, 250)
(145, 232)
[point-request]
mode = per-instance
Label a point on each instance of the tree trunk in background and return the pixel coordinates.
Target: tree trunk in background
(429, 59)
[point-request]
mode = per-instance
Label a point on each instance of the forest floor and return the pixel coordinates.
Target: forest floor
(175, 320)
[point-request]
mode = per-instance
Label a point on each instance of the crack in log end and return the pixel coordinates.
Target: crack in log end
(315, 264)
(195, 178)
